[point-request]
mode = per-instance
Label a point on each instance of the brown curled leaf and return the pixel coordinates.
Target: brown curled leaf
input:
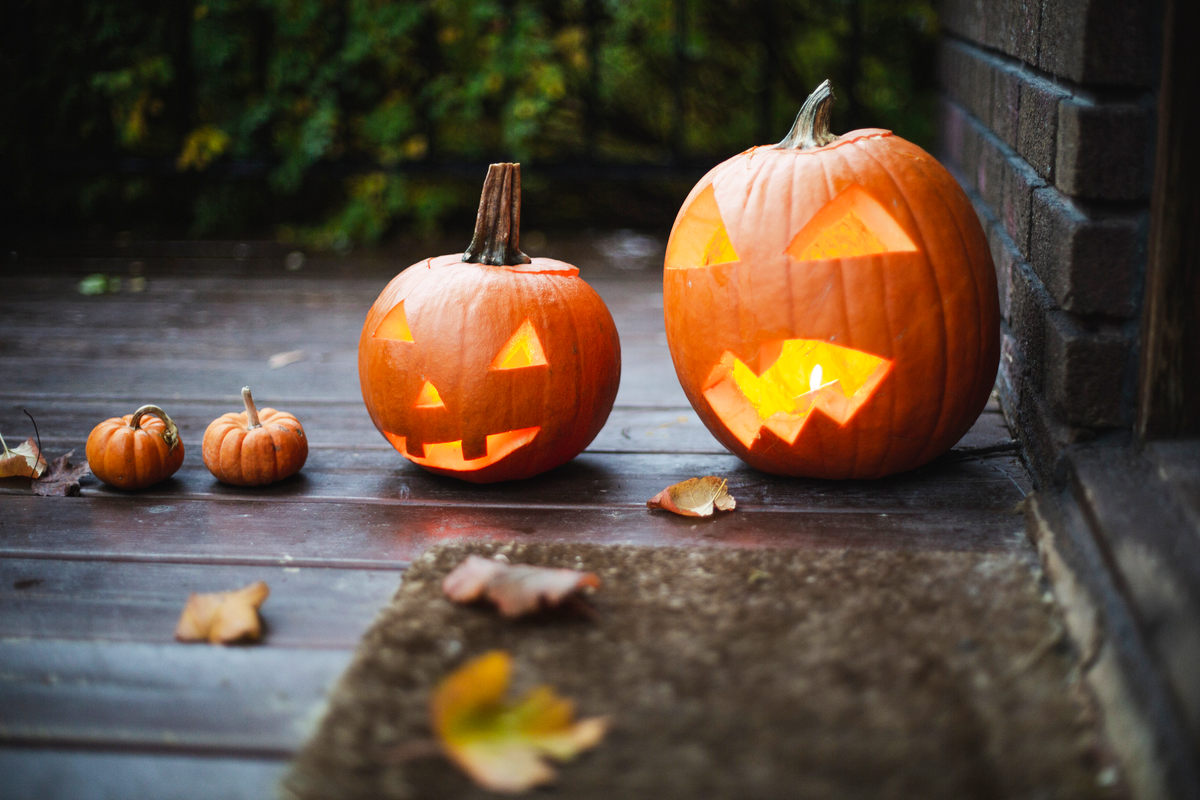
(504, 746)
(695, 497)
(223, 617)
(516, 589)
(61, 479)
(25, 461)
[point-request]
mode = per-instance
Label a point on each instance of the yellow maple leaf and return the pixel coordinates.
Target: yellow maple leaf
(503, 746)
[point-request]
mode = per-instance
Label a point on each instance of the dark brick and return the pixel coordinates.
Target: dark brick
(1101, 150)
(963, 17)
(1029, 306)
(979, 90)
(1087, 264)
(993, 168)
(1037, 126)
(1006, 259)
(1098, 41)
(1006, 102)
(972, 145)
(951, 122)
(1011, 379)
(1016, 210)
(1084, 371)
(1012, 27)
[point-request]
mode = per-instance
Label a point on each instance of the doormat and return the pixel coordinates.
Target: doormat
(741, 674)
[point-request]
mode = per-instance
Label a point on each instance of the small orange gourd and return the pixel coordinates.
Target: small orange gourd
(254, 448)
(135, 451)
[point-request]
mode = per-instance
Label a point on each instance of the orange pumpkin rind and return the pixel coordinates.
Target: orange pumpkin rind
(862, 255)
(489, 365)
(253, 447)
(137, 450)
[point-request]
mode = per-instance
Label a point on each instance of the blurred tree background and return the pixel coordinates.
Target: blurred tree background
(335, 122)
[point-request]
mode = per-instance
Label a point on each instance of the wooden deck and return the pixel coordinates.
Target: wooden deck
(96, 700)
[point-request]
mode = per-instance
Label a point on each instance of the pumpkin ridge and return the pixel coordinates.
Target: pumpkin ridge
(975, 331)
(831, 192)
(923, 246)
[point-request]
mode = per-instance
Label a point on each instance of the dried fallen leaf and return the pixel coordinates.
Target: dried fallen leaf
(224, 617)
(281, 360)
(25, 461)
(61, 479)
(503, 747)
(516, 589)
(695, 497)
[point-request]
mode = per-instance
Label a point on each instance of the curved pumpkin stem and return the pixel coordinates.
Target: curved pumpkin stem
(251, 409)
(811, 128)
(497, 236)
(170, 435)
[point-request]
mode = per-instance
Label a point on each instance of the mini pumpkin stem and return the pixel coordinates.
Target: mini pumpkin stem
(497, 236)
(251, 409)
(811, 128)
(170, 435)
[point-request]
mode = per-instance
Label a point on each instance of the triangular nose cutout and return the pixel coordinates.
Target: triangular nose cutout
(850, 225)
(700, 239)
(524, 349)
(394, 325)
(429, 397)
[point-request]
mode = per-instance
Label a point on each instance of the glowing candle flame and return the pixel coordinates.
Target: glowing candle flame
(814, 381)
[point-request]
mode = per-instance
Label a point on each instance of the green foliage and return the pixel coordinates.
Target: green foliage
(336, 119)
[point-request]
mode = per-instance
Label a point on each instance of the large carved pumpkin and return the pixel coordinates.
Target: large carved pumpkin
(488, 365)
(831, 303)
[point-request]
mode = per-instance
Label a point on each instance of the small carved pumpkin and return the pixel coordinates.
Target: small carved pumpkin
(254, 448)
(489, 365)
(831, 303)
(135, 451)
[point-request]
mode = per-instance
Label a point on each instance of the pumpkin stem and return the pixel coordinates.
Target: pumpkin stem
(170, 435)
(811, 128)
(497, 236)
(251, 409)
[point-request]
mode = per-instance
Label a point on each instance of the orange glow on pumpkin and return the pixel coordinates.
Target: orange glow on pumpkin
(851, 224)
(429, 397)
(700, 240)
(524, 349)
(394, 325)
(806, 374)
(449, 455)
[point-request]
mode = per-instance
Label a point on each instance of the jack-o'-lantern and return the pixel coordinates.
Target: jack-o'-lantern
(831, 303)
(489, 365)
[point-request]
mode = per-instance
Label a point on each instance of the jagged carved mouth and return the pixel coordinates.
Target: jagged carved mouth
(805, 375)
(449, 455)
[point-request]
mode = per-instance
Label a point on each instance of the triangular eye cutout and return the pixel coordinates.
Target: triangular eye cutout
(429, 397)
(524, 349)
(700, 238)
(852, 224)
(394, 325)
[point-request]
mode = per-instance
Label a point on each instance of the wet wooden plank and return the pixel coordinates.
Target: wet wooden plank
(595, 481)
(257, 700)
(105, 601)
(45, 774)
(358, 535)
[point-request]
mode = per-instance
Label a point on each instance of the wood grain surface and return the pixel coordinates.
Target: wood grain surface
(98, 701)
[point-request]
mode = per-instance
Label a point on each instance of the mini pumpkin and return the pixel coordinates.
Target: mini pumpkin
(489, 365)
(252, 447)
(831, 303)
(135, 451)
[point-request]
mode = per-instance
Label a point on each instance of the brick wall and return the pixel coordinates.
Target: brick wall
(1047, 115)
